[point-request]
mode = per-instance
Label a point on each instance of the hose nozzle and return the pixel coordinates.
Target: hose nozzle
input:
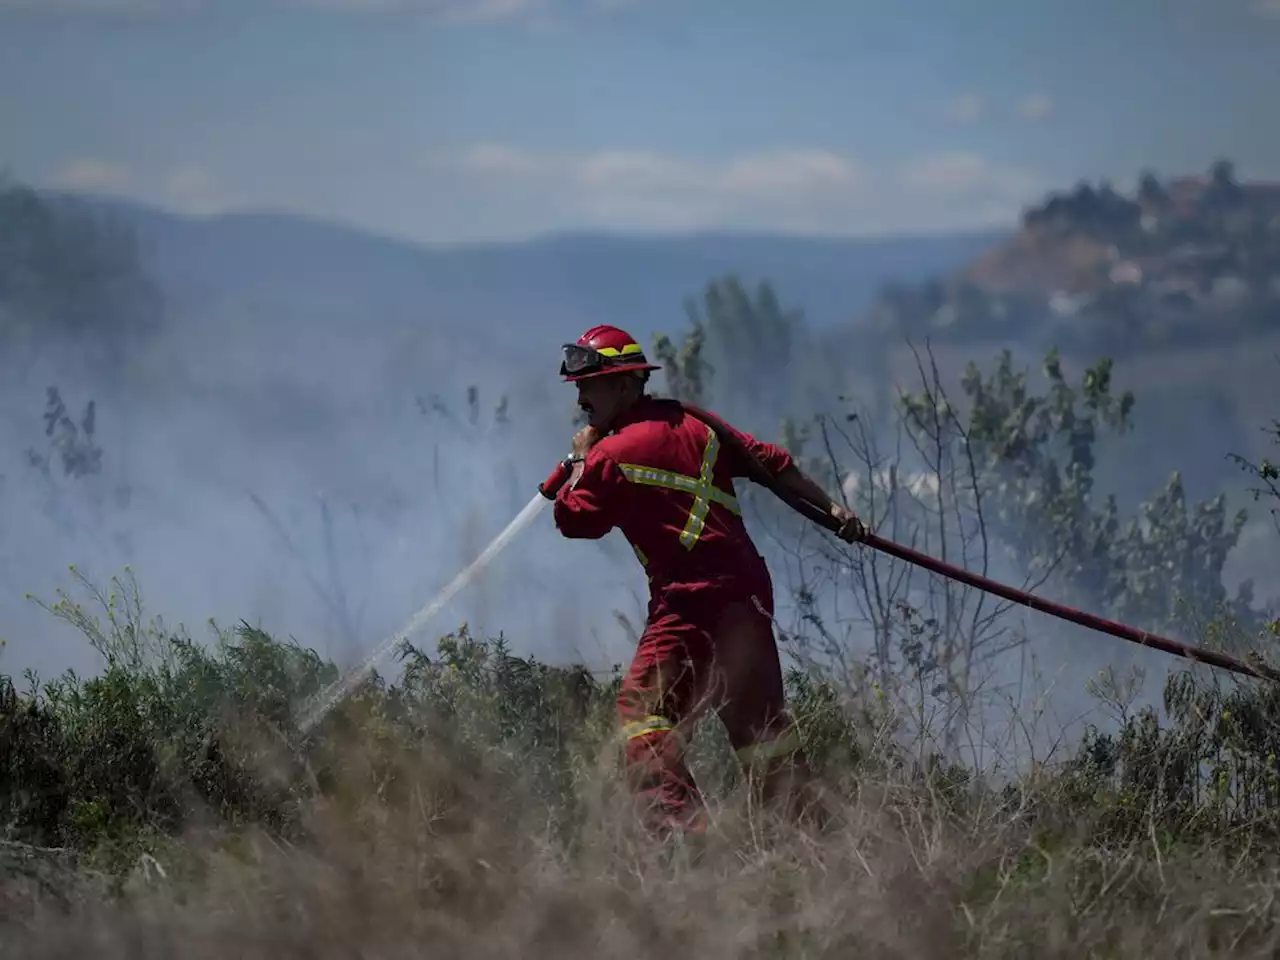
(551, 486)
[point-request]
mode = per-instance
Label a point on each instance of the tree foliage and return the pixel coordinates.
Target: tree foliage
(1036, 458)
(1003, 475)
(69, 275)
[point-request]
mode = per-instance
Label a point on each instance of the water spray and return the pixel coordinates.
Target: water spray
(330, 697)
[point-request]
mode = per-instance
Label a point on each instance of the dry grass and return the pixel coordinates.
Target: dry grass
(461, 863)
(476, 810)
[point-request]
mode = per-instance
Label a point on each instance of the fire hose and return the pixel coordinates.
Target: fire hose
(758, 473)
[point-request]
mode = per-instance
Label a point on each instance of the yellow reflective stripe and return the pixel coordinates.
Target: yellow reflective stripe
(704, 492)
(653, 477)
(768, 750)
(701, 502)
(650, 724)
(644, 561)
(629, 349)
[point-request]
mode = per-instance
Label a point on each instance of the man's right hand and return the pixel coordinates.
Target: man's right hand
(851, 528)
(584, 440)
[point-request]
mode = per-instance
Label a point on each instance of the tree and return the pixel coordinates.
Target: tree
(70, 276)
(687, 372)
(1151, 191)
(748, 341)
(1222, 176)
(1267, 473)
(1037, 457)
(1223, 194)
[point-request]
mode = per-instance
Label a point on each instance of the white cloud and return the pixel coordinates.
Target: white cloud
(764, 174)
(965, 108)
(189, 189)
(802, 189)
(792, 171)
(964, 174)
(627, 170)
(1037, 106)
(502, 190)
(93, 176)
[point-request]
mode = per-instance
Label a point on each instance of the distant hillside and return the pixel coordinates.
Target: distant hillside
(1191, 261)
(1178, 237)
(552, 285)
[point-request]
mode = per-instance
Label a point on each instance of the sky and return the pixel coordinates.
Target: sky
(450, 121)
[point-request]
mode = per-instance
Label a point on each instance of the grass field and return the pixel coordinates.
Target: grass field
(170, 807)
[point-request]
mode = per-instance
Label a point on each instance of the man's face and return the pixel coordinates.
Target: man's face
(601, 398)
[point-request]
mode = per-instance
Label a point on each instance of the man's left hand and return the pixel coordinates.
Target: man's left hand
(584, 440)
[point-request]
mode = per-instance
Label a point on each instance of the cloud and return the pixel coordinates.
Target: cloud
(190, 189)
(792, 171)
(960, 173)
(805, 189)
(965, 108)
(1037, 106)
(766, 174)
(495, 189)
(90, 175)
(1267, 8)
(618, 170)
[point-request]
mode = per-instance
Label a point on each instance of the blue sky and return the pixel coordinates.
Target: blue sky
(459, 120)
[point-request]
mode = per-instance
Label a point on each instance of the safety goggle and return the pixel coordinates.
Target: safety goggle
(579, 359)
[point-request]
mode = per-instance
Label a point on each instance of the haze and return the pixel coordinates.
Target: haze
(353, 212)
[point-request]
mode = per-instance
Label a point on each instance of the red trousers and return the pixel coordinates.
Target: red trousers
(707, 648)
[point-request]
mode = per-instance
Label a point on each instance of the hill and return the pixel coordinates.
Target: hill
(1194, 261)
(555, 283)
(1177, 240)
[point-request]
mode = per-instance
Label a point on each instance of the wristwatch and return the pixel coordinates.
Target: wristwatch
(570, 460)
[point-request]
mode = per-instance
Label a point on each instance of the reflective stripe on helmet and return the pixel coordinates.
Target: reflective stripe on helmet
(704, 493)
(627, 351)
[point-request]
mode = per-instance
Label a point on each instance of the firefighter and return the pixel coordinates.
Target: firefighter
(661, 476)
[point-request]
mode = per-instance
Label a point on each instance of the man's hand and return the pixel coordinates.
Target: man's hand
(851, 528)
(584, 440)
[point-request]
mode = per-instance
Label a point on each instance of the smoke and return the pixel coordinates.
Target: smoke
(314, 471)
(321, 457)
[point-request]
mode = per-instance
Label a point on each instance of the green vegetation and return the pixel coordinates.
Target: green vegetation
(69, 275)
(472, 802)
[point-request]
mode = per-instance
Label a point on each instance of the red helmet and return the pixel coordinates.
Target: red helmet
(603, 350)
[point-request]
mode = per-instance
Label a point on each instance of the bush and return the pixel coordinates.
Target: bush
(475, 801)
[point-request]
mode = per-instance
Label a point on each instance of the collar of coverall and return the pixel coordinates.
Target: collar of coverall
(634, 413)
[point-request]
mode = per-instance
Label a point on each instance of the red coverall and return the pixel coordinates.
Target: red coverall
(664, 479)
